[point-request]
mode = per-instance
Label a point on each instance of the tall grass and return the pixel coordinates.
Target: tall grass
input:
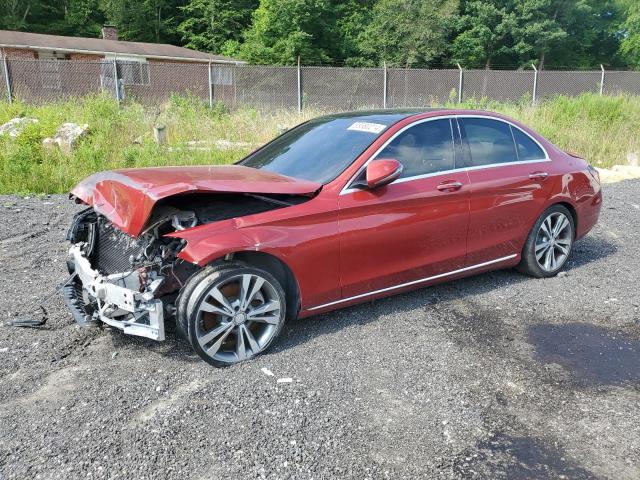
(603, 129)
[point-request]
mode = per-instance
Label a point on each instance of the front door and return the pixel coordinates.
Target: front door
(414, 228)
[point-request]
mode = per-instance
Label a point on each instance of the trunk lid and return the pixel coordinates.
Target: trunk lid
(127, 197)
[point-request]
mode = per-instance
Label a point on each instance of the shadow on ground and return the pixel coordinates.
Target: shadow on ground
(298, 332)
(518, 458)
(588, 249)
(592, 355)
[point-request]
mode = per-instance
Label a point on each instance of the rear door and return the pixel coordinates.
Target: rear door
(414, 228)
(510, 183)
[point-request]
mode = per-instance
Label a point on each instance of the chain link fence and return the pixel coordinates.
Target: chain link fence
(326, 88)
(569, 83)
(335, 88)
(257, 86)
(420, 87)
(4, 81)
(499, 85)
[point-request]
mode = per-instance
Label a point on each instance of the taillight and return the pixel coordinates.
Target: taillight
(594, 172)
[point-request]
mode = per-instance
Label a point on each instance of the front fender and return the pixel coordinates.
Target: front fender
(310, 249)
(204, 245)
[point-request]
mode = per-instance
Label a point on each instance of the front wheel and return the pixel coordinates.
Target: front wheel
(549, 243)
(231, 312)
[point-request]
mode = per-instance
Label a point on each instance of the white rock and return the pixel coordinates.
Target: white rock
(66, 137)
(14, 127)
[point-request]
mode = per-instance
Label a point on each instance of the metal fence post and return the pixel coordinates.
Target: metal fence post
(460, 81)
(115, 80)
(602, 81)
(535, 85)
(299, 87)
(210, 90)
(384, 86)
(7, 79)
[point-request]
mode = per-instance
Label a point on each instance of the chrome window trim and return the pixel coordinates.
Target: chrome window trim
(348, 189)
(414, 282)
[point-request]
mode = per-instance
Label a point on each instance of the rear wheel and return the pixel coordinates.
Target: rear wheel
(231, 312)
(549, 243)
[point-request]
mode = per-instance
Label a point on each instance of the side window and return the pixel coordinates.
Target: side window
(490, 141)
(424, 148)
(527, 148)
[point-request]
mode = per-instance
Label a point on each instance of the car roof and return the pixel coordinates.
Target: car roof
(384, 116)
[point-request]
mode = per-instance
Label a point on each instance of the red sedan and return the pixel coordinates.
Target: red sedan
(341, 209)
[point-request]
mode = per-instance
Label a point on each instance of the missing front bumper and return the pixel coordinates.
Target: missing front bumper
(92, 297)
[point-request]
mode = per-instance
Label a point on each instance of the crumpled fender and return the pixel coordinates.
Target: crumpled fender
(127, 197)
(206, 243)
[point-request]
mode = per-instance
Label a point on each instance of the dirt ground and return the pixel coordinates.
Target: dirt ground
(497, 376)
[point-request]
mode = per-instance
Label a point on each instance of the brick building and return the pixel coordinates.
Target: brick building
(47, 66)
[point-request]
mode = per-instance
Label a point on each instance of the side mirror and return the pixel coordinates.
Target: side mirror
(382, 172)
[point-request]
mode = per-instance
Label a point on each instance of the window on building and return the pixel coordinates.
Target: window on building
(221, 75)
(133, 72)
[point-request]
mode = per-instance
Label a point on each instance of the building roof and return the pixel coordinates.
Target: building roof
(13, 39)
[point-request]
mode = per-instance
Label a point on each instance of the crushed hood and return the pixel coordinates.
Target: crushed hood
(127, 197)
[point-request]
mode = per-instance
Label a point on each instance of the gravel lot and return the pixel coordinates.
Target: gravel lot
(495, 376)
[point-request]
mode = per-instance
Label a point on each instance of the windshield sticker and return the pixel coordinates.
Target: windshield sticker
(367, 127)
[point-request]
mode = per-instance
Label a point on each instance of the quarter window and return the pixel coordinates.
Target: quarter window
(424, 148)
(490, 141)
(527, 148)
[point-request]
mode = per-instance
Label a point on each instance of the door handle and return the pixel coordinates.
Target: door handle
(538, 175)
(450, 186)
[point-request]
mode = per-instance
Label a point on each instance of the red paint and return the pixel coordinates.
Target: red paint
(126, 197)
(383, 172)
(339, 246)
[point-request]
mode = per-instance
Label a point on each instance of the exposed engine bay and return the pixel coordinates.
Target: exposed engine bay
(131, 283)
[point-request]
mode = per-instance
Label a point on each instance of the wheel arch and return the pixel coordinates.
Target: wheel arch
(572, 211)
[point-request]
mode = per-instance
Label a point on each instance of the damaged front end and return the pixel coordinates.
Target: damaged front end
(124, 264)
(131, 282)
(123, 281)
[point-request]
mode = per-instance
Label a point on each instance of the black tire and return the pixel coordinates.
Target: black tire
(531, 265)
(189, 316)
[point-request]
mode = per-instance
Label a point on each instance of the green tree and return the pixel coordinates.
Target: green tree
(564, 33)
(144, 20)
(282, 30)
(407, 32)
(485, 33)
(630, 45)
(14, 14)
(209, 24)
(353, 16)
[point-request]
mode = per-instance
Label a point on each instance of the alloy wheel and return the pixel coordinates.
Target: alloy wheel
(238, 317)
(553, 242)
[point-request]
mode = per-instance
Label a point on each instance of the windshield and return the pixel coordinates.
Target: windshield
(318, 150)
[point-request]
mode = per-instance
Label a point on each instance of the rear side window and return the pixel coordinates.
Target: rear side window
(424, 148)
(490, 141)
(528, 149)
